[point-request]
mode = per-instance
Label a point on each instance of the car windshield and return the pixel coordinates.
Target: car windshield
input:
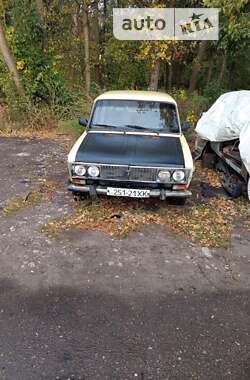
(135, 114)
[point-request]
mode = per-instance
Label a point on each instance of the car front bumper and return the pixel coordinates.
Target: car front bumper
(156, 193)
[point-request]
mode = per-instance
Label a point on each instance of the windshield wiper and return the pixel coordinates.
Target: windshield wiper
(143, 128)
(132, 126)
(104, 125)
(136, 127)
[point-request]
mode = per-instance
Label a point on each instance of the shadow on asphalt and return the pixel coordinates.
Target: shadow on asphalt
(65, 333)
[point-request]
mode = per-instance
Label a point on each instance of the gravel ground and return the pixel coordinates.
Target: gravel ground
(85, 306)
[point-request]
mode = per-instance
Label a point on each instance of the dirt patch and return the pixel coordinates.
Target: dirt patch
(31, 199)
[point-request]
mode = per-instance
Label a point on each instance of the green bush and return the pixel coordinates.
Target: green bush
(212, 91)
(44, 84)
(190, 105)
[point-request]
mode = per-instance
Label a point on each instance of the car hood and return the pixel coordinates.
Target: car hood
(128, 149)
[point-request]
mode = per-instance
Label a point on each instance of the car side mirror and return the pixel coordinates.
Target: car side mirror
(186, 126)
(83, 122)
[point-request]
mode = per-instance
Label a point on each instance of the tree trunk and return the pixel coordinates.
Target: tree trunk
(85, 21)
(197, 63)
(170, 76)
(105, 7)
(233, 66)
(40, 11)
(154, 76)
(10, 62)
(76, 31)
(210, 70)
(95, 28)
(223, 68)
(177, 74)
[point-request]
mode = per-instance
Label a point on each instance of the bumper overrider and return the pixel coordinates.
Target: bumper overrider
(156, 193)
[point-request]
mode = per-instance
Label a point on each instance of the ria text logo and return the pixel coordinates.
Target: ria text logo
(166, 23)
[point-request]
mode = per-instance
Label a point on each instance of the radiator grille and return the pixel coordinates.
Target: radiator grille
(114, 172)
(142, 174)
(128, 173)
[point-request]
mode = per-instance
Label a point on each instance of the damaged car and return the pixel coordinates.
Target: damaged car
(223, 141)
(133, 146)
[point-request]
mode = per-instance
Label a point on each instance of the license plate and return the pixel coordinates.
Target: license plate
(132, 193)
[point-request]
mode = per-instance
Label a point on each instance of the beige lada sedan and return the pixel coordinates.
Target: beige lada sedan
(132, 146)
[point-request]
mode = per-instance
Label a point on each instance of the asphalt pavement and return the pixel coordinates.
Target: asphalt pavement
(85, 306)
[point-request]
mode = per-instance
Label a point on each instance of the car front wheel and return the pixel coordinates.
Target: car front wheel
(78, 197)
(178, 201)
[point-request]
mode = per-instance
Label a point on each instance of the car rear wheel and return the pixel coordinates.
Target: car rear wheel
(232, 186)
(208, 160)
(231, 182)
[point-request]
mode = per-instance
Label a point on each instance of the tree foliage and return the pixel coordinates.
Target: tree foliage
(57, 51)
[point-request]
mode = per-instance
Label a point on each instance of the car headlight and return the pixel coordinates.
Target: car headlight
(178, 175)
(164, 176)
(79, 170)
(93, 171)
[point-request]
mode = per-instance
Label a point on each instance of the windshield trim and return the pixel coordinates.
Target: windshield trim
(122, 131)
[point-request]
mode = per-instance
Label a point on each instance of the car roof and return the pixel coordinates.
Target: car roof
(137, 95)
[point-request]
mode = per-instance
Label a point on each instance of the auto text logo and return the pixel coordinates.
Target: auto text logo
(166, 23)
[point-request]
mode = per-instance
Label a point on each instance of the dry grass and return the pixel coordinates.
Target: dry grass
(247, 225)
(65, 136)
(117, 217)
(29, 133)
(4, 118)
(31, 199)
(34, 121)
(208, 224)
(19, 203)
(40, 122)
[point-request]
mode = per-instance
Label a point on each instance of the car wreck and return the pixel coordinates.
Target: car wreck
(133, 146)
(223, 141)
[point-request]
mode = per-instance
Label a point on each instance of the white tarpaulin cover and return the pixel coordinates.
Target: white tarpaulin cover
(228, 119)
(245, 146)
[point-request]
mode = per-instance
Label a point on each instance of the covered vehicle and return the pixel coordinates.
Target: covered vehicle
(133, 146)
(223, 140)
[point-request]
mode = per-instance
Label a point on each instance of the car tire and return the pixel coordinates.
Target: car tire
(208, 160)
(232, 185)
(78, 197)
(230, 181)
(178, 201)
